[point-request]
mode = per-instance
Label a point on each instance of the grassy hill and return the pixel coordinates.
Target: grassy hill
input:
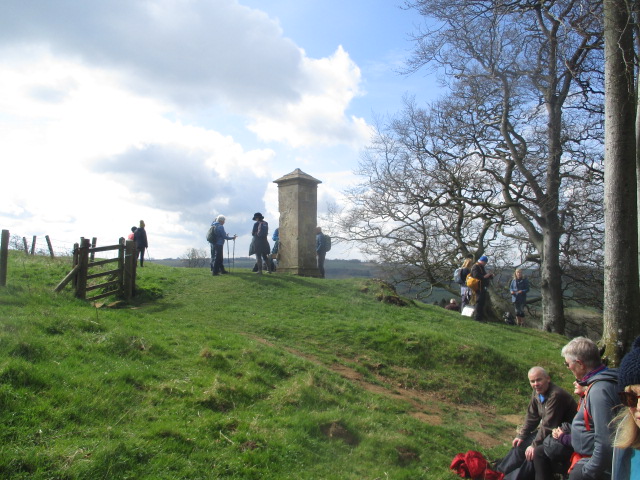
(248, 377)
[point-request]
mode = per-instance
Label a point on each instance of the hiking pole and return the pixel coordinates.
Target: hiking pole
(228, 261)
(234, 253)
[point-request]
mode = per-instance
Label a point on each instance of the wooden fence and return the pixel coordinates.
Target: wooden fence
(119, 281)
(4, 257)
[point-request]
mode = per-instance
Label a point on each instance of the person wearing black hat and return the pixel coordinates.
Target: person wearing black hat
(626, 452)
(260, 242)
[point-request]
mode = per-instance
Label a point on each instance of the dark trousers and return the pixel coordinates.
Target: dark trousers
(260, 257)
(141, 252)
(481, 300)
(515, 465)
(213, 255)
(576, 473)
(218, 265)
(542, 464)
(321, 256)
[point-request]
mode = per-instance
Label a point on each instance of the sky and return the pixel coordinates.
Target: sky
(175, 111)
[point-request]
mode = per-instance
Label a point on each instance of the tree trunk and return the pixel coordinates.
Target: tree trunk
(551, 272)
(621, 292)
(551, 285)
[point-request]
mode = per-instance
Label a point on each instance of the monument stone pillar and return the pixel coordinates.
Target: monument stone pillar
(298, 206)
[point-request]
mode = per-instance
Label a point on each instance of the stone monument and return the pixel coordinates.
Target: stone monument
(298, 206)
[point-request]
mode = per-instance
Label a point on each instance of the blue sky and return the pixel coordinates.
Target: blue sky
(174, 111)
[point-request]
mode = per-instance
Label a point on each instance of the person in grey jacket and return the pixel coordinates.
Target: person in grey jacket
(591, 429)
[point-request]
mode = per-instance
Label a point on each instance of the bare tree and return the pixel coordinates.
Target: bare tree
(194, 258)
(524, 74)
(423, 204)
(621, 245)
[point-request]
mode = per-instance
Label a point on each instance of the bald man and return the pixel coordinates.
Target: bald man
(549, 407)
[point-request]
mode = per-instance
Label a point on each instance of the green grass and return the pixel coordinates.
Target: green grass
(241, 376)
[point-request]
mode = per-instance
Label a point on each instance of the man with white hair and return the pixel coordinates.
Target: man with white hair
(591, 429)
(217, 260)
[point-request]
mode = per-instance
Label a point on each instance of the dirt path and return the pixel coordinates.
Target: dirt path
(424, 406)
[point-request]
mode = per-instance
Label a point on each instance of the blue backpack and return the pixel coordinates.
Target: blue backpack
(457, 276)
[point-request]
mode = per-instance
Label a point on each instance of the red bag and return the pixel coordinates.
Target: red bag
(473, 465)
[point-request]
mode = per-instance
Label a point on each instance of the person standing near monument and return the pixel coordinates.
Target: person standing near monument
(321, 250)
(261, 245)
(221, 236)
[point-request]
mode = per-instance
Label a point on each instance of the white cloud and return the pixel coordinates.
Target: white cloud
(319, 115)
(97, 109)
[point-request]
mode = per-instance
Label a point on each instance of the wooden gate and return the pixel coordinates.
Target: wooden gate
(119, 281)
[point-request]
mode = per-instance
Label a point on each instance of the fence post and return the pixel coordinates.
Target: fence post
(26, 247)
(129, 269)
(76, 252)
(83, 261)
(46, 237)
(4, 257)
(94, 240)
(121, 266)
(33, 246)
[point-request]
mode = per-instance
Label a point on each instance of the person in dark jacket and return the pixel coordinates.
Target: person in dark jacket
(519, 288)
(549, 407)
(140, 237)
(626, 451)
(321, 250)
(260, 242)
(592, 428)
(452, 305)
(479, 272)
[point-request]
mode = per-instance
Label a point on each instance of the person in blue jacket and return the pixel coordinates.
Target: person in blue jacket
(221, 236)
(519, 288)
(321, 250)
(626, 451)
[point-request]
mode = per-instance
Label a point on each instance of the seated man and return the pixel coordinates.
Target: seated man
(452, 305)
(549, 407)
(591, 429)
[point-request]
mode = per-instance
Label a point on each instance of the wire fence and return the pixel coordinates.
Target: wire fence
(54, 247)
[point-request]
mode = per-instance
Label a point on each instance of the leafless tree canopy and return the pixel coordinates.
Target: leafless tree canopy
(512, 156)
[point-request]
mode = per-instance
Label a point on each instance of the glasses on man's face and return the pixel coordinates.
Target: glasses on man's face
(629, 399)
(567, 364)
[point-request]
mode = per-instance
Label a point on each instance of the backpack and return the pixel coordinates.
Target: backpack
(457, 276)
(327, 243)
(212, 233)
(473, 283)
(263, 230)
